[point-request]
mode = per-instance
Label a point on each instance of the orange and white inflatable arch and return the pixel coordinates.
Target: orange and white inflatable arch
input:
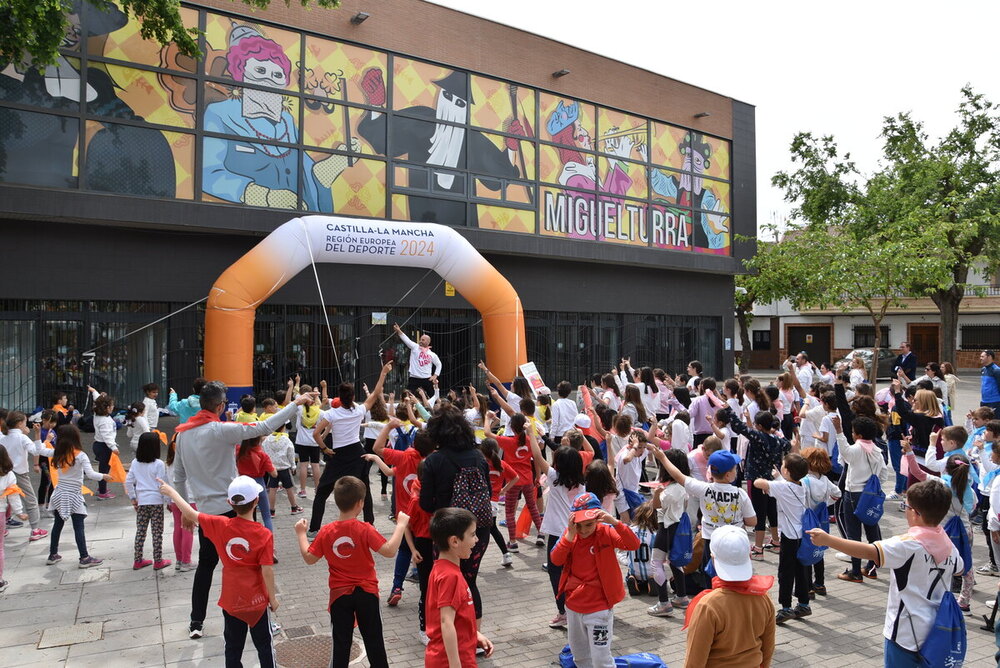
(233, 301)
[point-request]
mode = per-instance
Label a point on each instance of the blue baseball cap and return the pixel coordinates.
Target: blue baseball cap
(586, 507)
(723, 461)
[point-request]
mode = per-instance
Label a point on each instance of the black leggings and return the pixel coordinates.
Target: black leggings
(984, 507)
(363, 606)
(426, 550)
(853, 527)
(370, 449)
(766, 507)
(664, 539)
(793, 575)
(497, 536)
(102, 453)
(208, 559)
(235, 634)
(345, 460)
(470, 567)
(555, 573)
(45, 487)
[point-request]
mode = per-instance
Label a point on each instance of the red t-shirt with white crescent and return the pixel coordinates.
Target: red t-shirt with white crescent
(243, 547)
(405, 464)
(347, 546)
(519, 457)
(499, 478)
(448, 588)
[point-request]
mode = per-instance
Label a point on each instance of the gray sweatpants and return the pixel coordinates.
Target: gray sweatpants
(30, 500)
(590, 638)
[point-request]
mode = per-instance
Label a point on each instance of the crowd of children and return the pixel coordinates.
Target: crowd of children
(665, 475)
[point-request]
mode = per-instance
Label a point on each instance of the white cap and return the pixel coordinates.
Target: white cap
(244, 487)
(582, 421)
(731, 551)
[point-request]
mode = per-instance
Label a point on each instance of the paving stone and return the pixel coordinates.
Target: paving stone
(59, 636)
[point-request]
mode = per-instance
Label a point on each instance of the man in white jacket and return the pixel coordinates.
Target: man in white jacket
(425, 365)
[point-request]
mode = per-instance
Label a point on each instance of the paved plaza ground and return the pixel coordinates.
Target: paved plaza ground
(122, 617)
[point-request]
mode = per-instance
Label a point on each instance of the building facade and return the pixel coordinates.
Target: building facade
(131, 176)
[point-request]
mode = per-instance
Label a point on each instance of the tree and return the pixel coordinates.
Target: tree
(953, 191)
(31, 31)
(843, 248)
(744, 300)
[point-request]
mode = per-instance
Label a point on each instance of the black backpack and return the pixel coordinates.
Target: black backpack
(471, 490)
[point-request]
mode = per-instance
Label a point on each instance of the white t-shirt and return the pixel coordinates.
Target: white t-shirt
(812, 419)
(856, 376)
(826, 427)
(515, 402)
(613, 401)
(557, 504)
(788, 399)
(691, 381)
(345, 424)
(680, 436)
(564, 414)
(673, 501)
(805, 375)
(721, 504)
(424, 362)
(628, 473)
(792, 499)
(304, 434)
(910, 612)
(139, 427)
(152, 412)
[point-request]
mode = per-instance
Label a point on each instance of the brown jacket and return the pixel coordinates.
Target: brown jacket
(731, 630)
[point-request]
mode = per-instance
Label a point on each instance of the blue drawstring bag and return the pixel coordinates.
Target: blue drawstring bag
(837, 467)
(682, 546)
(945, 644)
(809, 553)
(639, 660)
(955, 529)
(872, 502)
(633, 499)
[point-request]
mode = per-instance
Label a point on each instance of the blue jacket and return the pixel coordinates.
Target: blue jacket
(184, 408)
(990, 384)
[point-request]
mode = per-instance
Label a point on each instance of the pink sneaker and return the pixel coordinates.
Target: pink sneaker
(37, 534)
(160, 564)
(106, 495)
(142, 563)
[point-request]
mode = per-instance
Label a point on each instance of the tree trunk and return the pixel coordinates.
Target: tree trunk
(948, 302)
(743, 317)
(873, 372)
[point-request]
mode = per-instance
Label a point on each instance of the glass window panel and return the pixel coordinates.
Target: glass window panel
(712, 233)
(234, 110)
(56, 87)
(345, 185)
(251, 52)
(429, 210)
(714, 195)
(38, 149)
(566, 166)
(139, 161)
(717, 163)
(566, 121)
(670, 227)
(124, 42)
(330, 125)
(620, 134)
(61, 365)
(417, 85)
(18, 387)
(142, 95)
(622, 178)
(122, 367)
(668, 145)
(497, 103)
(505, 219)
(244, 172)
(337, 71)
(666, 185)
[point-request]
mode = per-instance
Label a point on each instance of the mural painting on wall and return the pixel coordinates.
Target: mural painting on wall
(427, 131)
(301, 122)
(42, 149)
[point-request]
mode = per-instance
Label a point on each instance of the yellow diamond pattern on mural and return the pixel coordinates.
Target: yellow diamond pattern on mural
(360, 189)
(506, 220)
(412, 83)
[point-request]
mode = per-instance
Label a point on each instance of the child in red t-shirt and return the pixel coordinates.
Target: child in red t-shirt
(502, 478)
(517, 453)
(347, 544)
(246, 550)
(592, 577)
(451, 616)
(253, 462)
(404, 471)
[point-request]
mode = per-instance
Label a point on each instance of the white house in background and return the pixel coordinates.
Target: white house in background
(827, 335)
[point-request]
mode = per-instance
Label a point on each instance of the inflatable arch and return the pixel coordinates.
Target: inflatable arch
(295, 245)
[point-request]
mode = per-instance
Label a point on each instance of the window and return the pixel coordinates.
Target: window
(980, 337)
(761, 339)
(864, 336)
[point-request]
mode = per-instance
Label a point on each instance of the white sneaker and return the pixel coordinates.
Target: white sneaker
(539, 541)
(843, 557)
(988, 569)
(506, 560)
(893, 497)
(661, 609)
(424, 639)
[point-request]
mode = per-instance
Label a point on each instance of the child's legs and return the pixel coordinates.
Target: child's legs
(272, 496)
(156, 522)
(873, 533)
(510, 500)
(29, 499)
(102, 453)
(81, 539)
(403, 558)
(208, 559)
(470, 567)
(303, 469)
(530, 500)
(342, 630)
(370, 624)
(555, 572)
(660, 563)
(260, 633)
(819, 573)
(986, 533)
(759, 500)
(142, 516)
(969, 579)
(183, 539)
(495, 532)
(772, 519)
(44, 482)
(264, 504)
(850, 525)
(590, 638)
(896, 457)
(787, 568)
(1, 553)
(57, 527)
(426, 549)
(235, 634)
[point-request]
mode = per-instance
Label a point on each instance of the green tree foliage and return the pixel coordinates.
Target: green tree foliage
(913, 228)
(32, 30)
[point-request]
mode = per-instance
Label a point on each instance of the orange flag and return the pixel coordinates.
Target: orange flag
(523, 526)
(13, 489)
(117, 470)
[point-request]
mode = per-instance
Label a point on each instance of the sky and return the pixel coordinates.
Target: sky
(826, 68)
